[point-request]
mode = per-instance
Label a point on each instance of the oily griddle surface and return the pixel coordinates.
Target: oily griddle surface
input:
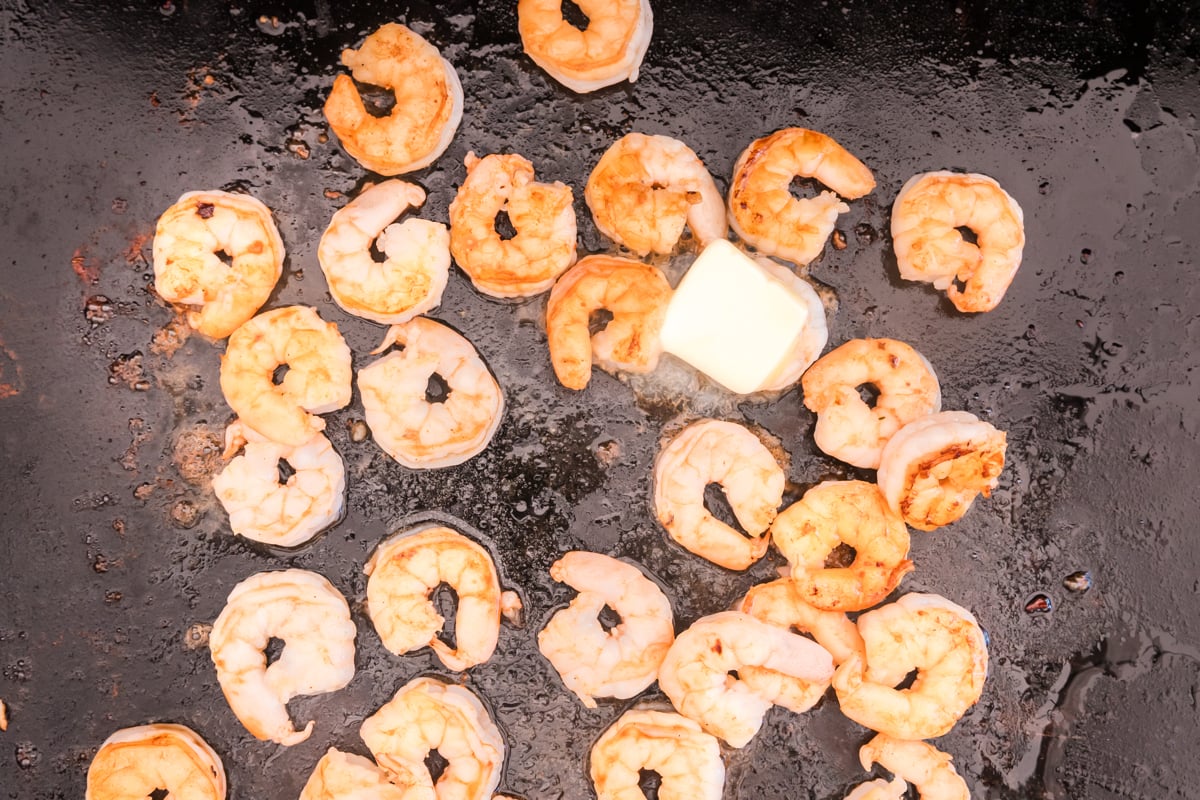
(115, 555)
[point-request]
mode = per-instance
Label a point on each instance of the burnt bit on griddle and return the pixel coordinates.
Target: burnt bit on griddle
(196, 637)
(185, 514)
(197, 455)
(98, 309)
(27, 755)
(205, 210)
(1078, 582)
(1040, 603)
(358, 430)
(127, 369)
(839, 240)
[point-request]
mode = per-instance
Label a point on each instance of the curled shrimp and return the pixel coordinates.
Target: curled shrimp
(646, 188)
(345, 776)
(408, 567)
(932, 468)
(592, 661)
(312, 618)
(918, 763)
(922, 632)
(636, 295)
(687, 759)
(762, 210)
(419, 432)
(834, 513)
(317, 379)
(429, 102)
(713, 451)
(141, 761)
(879, 789)
(926, 218)
(540, 213)
(188, 271)
(410, 280)
(608, 51)
(847, 427)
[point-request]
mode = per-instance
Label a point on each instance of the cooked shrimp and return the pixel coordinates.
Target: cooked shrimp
(138, 762)
(417, 431)
(403, 573)
(345, 776)
(926, 218)
(317, 378)
(646, 188)
(263, 508)
(833, 513)
(712, 451)
(918, 763)
(780, 602)
(620, 662)
(429, 102)
(427, 715)
(188, 271)
(847, 427)
(687, 759)
(411, 279)
(941, 641)
(932, 469)
(762, 210)
(636, 295)
(312, 618)
(812, 338)
(608, 51)
(879, 789)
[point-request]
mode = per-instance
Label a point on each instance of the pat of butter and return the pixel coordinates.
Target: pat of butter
(732, 319)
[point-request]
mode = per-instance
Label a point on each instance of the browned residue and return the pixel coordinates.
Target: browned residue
(85, 267)
(170, 337)
(197, 454)
(133, 254)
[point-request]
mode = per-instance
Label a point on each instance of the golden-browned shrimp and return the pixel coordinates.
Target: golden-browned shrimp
(926, 216)
(317, 380)
(345, 776)
(847, 427)
(136, 762)
(636, 295)
(781, 603)
(761, 208)
(429, 102)
(843, 512)
(646, 188)
(608, 51)
(918, 763)
(540, 213)
(188, 271)
(932, 469)
(686, 758)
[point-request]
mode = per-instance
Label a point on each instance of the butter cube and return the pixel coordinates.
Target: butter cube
(732, 319)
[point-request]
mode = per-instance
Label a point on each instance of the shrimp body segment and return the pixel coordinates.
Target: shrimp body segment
(317, 380)
(918, 763)
(636, 295)
(645, 188)
(879, 789)
(135, 762)
(849, 429)
(608, 51)
(762, 210)
(188, 271)
(312, 618)
(345, 776)
(411, 279)
(686, 758)
(781, 602)
(620, 662)
(713, 451)
(541, 213)
(926, 632)
(926, 216)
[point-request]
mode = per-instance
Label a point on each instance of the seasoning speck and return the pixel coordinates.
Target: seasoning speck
(205, 210)
(196, 636)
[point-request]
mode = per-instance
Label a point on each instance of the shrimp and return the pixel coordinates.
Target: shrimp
(879, 789)
(695, 673)
(926, 632)
(142, 761)
(541, 213)
(812, 338)
(847, 427)
(918, 763)
(712, 451)
(317, 378)
(780, 602)
(932, 468)
(636, 295)
(687, 759)
(403, 573)
(608, 51)
(646, 188)
(312, 618)
(345, 776)
(429, 102)
(427, 715)
(620, 662)
(762, 210)
(411, 279)
(285, 514)
(188, 271)
(926, 218)
(843, 512)
(417, 431)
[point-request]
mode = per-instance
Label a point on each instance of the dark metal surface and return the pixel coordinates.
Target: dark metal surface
(1085, 112)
